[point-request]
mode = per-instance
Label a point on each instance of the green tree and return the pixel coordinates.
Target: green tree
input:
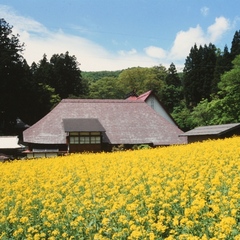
(13, 72)
(42, 71)
(66, 76)
(105, 88)
(181, 115)
(223, 64)
(44, 96)
(155, 80)
(203, 114)
(132, 79)
(230, 93)
(235, 48)
(172, 92)
(140, 80)
(223, 107)
(198, 74)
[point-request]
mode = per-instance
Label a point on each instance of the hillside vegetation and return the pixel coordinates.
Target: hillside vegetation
(178, 192)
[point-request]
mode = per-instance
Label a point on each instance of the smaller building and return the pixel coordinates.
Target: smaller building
(10, 147)
(202, 133)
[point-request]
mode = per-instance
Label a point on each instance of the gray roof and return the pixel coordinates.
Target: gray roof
(211, 130)
(82, 125)
(125, 122)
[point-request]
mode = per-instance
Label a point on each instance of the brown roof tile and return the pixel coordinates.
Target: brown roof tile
(125, 122)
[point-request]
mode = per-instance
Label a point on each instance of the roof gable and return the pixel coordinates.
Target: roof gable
(148, 97)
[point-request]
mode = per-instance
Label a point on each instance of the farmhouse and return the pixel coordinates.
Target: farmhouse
(202, 133)
(78, 125)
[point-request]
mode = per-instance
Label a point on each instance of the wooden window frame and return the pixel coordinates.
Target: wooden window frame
(80, 138)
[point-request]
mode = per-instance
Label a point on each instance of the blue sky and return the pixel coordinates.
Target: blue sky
(118, 34)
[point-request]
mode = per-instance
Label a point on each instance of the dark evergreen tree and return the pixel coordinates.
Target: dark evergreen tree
(172, 77)
(172, 92)
(66, 75)
(235, 48)
(223, 64)
(45, 96)
(42, 70)
(198, 74)
(12, 75)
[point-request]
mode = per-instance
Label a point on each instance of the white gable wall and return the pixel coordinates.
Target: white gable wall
(154, 104)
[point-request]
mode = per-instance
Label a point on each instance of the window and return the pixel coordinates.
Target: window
(85, 137)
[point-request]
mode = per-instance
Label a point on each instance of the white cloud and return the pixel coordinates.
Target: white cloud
(127, 53)
(185, 40)
(155, 52)
(204, 11)
(216, 30)
(93, 57)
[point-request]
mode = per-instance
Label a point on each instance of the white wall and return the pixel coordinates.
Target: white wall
(154, 103)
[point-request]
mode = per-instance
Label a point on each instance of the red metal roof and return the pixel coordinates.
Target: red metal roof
(143, 96)
(125, 122)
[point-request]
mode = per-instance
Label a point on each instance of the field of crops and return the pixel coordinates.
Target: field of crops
(179, 192)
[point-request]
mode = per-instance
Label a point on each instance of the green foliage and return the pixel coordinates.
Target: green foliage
(132, 79)
(142, 79)
(94, 76)
(65, 75)
(14, 78)
(181, 115)
(223, 107)
(198, 74)
(172, 91)
(230, 92)
(118, 148)
(204, 113)
(223, 64)
(141, 146)
(105, 88)
(235, 48)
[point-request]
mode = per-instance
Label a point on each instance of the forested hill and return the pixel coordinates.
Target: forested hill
(94, 76)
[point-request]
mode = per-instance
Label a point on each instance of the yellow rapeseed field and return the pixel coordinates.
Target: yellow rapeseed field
(179, 192)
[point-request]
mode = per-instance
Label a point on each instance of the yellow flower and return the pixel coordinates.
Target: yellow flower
(24, 219)
(17, 232)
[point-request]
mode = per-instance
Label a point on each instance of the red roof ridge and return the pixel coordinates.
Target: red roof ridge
(145, 95)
